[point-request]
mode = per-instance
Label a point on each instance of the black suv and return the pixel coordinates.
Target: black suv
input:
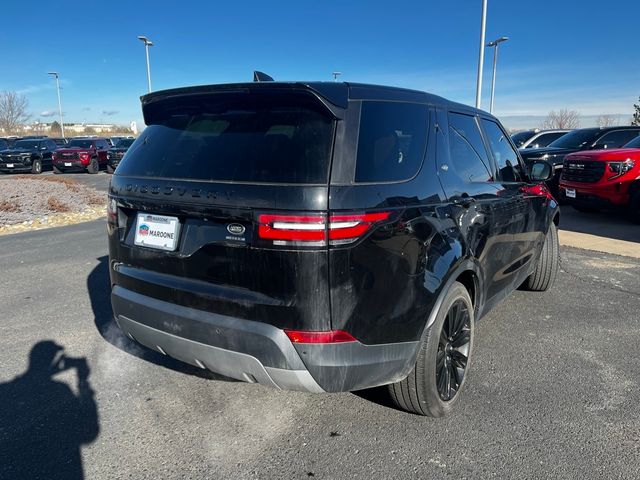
(115, 154)
(576, 141)
(28, 155)
(324, 236)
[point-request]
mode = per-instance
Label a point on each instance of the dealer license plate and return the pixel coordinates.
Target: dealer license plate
(67, 164)
(157, 231)
(571, 193)
(9, 165)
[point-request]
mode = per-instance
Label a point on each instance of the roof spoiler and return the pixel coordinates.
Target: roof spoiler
(261, 77)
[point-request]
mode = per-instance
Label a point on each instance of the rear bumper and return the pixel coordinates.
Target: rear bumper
(257, 352)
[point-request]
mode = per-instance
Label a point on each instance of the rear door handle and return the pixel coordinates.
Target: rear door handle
(464, 202)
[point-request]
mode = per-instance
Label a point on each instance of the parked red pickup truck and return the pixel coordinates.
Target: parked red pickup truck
(84, 154)
(597, 179)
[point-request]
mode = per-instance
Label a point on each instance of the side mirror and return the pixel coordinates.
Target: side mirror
(540, 171)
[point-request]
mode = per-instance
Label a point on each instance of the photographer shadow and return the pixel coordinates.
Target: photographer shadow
(99, 288)
(43, 423)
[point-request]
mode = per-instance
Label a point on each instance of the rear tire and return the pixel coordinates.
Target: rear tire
(110, 169)
(36, 167)
(433, 387)
(93, 166)
(546, 270)
(56, 170)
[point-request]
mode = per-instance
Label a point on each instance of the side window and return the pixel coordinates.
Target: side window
(505, 156)
(545, 139)
(392, 141)
(616, 139)
(468, 156)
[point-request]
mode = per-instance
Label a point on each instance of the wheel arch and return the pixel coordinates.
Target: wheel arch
(469, 273)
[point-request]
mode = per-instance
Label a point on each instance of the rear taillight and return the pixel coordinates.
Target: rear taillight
(331, 336)
(53, 156)
(314, 230)
(84, 157)
(112, 212)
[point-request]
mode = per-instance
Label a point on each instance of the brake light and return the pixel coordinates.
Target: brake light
(53, 156)
(112, 212)
(84, 156)
(331, 336)
(313, 230)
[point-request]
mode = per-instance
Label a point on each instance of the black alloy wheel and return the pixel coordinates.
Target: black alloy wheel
(453, 351)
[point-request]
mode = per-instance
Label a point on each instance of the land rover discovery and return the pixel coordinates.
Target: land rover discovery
(324, 237)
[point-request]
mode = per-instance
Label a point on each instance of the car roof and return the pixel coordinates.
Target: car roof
(338, 93)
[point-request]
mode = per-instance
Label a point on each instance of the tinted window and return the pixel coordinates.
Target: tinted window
(577, 139)
(125, 143)
(546, 138)
(468, 156)
(79, 143)
(635, 143)
(247, 137)
(27, 144)
(392, 141)
(3, 144)
(616, 139)
(521, 137)
(505, 156)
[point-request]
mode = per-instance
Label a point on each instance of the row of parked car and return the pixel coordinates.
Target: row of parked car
(37, 153)
(595, 168)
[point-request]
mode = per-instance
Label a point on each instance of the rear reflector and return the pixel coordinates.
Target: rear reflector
(332, 336)
(312, 230)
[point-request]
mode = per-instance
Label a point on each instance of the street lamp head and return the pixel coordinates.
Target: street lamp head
(145, 40)
(497, 41)
(55, 74)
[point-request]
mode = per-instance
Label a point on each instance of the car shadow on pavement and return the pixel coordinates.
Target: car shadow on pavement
(608, 224)
(43, 423)
(99, 288)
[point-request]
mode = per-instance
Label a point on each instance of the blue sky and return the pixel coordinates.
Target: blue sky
(562, 54)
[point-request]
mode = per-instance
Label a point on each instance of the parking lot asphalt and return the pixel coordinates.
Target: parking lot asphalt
(553, 390)
(99, 181)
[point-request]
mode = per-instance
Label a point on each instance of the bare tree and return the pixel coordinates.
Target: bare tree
(562, 119)
(608, 121)
(636, 114)
(13, 111)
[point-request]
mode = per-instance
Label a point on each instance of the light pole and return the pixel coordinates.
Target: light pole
(495, 45)
(147, 43)
(483, 24)
(336, 75)
(57, 75)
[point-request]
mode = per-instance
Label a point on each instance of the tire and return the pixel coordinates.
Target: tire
(56, 170)
(634, 207)
(583, 209)
(421, 392)
(546, 270)
(110, 169)
(93, 166)
(36, 167)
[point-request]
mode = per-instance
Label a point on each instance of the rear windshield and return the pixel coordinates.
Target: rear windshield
(239, 137)
(576, 139)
